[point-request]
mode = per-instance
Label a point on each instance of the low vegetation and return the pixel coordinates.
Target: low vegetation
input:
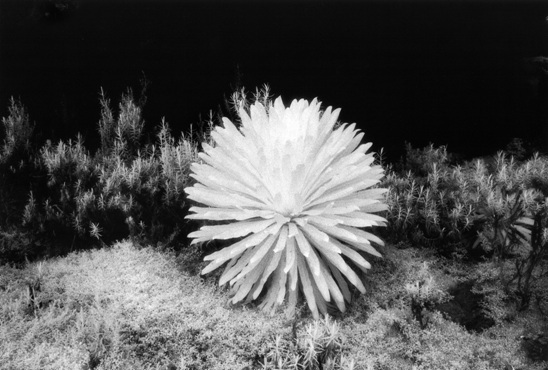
(461, 285)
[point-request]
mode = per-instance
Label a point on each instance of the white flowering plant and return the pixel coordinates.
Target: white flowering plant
(295, 190)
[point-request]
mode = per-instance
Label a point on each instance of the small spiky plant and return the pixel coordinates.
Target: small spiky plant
(296, 190)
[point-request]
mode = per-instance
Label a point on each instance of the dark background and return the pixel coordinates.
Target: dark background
(452, 73)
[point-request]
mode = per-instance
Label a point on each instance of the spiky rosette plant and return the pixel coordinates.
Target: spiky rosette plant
(295, 191)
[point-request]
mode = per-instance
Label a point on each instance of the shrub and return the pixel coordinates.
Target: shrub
(516, 219)
(528, 263)
(424, 294)
(421, 162)
(19, 174)
(487, 208)
(16, 163)
(318, 345)
(127, 188)
(430, 206)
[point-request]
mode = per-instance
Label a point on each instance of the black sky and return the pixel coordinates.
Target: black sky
(439, 71)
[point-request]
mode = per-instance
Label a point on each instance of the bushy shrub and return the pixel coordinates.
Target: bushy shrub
(441, 202)
(19, 174)
(495, 207)
(421, 162)
(517, 220)
(429, 206)
(424, 294)
(148, 189)
(127, 188)
(71, 177)
(15, 162)
(316, 345)
(528, 263)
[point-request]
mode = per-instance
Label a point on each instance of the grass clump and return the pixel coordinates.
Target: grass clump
(124, 307)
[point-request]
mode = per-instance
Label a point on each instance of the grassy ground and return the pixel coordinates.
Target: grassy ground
(126, 307)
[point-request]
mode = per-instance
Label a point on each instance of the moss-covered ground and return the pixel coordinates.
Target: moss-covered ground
(130, 307)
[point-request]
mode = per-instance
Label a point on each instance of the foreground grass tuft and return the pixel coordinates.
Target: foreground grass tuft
(122, 308)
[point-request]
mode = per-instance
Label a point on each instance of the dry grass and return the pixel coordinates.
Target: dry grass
(121, 308)
(125, 307)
